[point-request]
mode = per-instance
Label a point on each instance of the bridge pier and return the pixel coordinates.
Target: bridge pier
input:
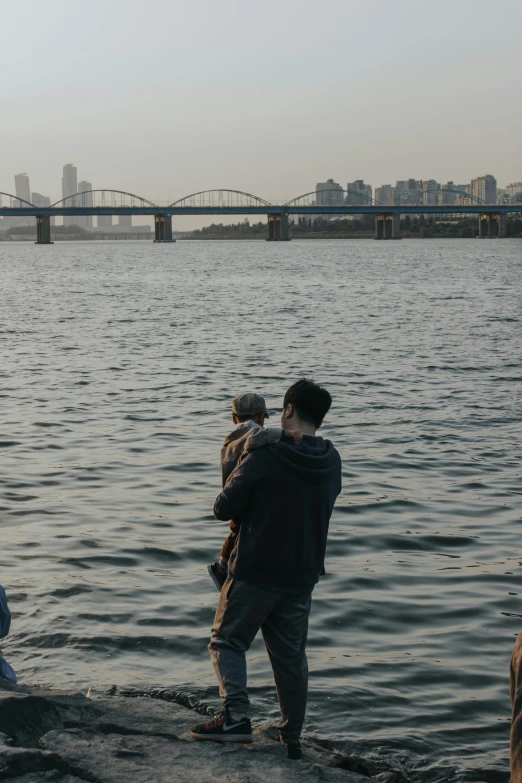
(163, 228)
(387, 226)
(43, 230)
(492, 226)
(277, 229)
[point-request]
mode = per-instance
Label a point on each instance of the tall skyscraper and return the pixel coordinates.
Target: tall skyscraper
(22, 188)
(69, 188)
(84, 200)
(358, 194)
(485, 188)
(23, 191)
(329, 194)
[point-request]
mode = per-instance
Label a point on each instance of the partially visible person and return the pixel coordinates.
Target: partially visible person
(249, 412)
(283, 495)
(6, 671)
(516, 708)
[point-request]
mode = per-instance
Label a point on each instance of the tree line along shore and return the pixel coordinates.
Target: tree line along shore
(420, 227)
(359, 228)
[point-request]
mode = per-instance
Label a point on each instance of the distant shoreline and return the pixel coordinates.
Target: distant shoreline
(221, 238)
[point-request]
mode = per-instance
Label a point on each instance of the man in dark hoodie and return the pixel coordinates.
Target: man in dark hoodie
(283, 494)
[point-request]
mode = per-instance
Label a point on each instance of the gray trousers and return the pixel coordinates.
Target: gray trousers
(243, 609)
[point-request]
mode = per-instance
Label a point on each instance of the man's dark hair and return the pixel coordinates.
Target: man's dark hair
(310, 400)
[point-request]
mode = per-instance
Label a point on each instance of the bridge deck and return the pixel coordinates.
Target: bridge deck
(446, 209)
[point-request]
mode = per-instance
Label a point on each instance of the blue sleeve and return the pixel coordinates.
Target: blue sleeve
(5, 614)
(237, 495)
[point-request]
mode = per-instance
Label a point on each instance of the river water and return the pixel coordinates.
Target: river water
(119, 362)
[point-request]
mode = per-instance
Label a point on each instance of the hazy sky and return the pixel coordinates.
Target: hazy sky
(168, 97)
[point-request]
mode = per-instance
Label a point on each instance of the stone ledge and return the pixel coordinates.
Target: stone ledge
(60, 737)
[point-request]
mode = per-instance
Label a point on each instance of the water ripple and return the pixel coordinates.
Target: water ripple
(116, 383)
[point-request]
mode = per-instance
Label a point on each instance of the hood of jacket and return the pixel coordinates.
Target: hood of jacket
(314, 459)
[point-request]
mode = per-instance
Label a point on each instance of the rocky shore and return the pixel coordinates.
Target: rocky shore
(68, 737)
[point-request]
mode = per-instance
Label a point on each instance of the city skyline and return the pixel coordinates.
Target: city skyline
(220, 97)
(357, 192)
(71, 186)
(391, 204)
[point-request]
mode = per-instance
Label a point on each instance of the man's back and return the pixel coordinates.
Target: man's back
(283, 495)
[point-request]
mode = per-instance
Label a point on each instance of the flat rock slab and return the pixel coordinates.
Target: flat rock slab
(53, 737)
(142, 759)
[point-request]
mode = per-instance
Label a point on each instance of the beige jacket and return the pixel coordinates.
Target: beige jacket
(246, 437)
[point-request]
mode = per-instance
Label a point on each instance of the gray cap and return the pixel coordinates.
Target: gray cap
(249, 404)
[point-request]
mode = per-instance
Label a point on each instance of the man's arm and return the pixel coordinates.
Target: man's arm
(262, 436)
(235, 498)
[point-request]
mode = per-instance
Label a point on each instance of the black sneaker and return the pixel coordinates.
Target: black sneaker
(294, 749)
(224, 729)
(217, 575)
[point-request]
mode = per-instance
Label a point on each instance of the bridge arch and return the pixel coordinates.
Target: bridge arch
(104, 198)
(220, 198)
(16, 198)
(309, 199)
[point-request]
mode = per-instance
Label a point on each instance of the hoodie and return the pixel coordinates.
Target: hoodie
(283, 496)
(246, 437)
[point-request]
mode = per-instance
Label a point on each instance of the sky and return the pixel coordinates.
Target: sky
(167, 98)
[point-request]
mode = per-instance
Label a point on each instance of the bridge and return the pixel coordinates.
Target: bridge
(491, 217)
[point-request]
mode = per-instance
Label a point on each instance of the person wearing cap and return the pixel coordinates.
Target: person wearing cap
(284, 495)
(249, 412)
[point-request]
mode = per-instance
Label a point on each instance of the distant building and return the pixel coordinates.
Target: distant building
(485, 189)
(514, 191)
(451, 193)
(358, 193)
(125, 221)
(407, 191)
(104, 221)
(69, 188)
(384, 195)
(84, 200)
(430, 188)
(23, 191)
(42, 201)
(329, 194)
(22, 188)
